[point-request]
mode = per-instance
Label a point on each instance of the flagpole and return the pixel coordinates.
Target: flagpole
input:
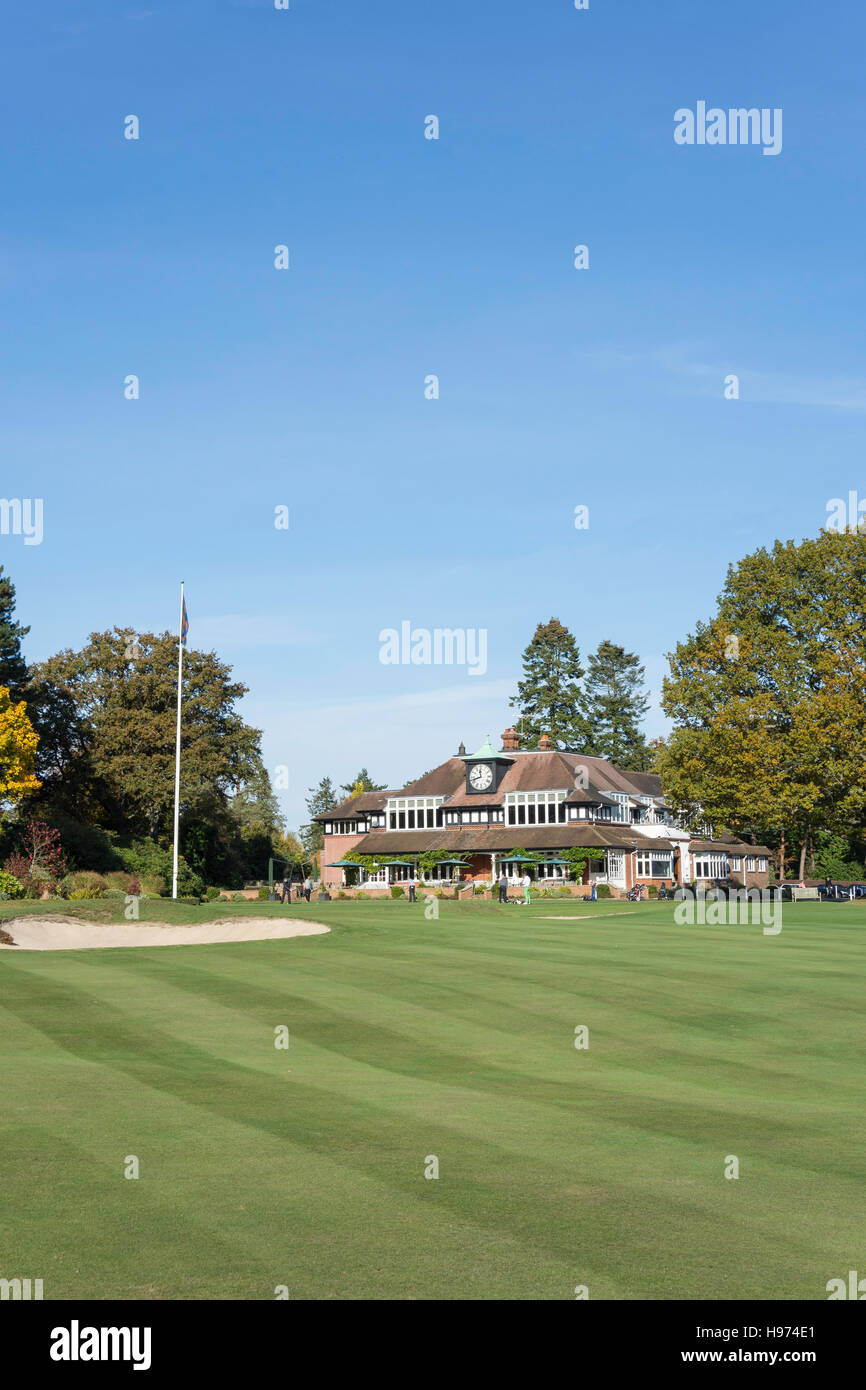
(177, 746)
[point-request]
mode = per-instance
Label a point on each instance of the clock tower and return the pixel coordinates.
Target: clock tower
(485, 769)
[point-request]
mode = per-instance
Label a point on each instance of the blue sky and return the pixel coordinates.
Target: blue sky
(411, 257)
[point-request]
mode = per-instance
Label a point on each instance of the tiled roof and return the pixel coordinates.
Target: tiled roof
(481, 839)
(356, 805)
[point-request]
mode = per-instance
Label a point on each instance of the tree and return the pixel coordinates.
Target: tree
(118, 770)
(321, 799)
(288, 847)
(42, 853)
(13, 668)
(769, 697)
(616, 706)
(550, 698)
(17, 751)
(362, 783)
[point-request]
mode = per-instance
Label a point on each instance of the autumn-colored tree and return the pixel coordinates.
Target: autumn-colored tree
(769, 697)
(18, 742)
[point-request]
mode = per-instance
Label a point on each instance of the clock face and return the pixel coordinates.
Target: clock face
(481, 777)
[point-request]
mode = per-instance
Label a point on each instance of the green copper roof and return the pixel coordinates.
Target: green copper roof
(486, 751)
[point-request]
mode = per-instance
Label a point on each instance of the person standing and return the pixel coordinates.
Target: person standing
(503, 886)
(593, 893)
(308, 887)
(287, 889)
(527, 882)
(413, 884)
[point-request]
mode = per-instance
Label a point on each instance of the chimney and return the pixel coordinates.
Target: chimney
(544, 744)
(510, 741)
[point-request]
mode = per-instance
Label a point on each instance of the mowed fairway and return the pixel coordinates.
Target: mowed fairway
(410, 1038)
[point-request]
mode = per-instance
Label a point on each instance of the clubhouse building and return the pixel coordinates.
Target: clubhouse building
(477, 809)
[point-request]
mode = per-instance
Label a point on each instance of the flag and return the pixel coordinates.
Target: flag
(184, 625)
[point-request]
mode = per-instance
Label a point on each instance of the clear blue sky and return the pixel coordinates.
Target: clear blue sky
(409, 257)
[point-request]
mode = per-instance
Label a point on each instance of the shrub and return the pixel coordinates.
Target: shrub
(85, 883)
(396, 891)
(223, 897)
(149, 860)
(263, 895)
(211, 894)
(341, 894)
(563, 893)
(124, 882)
(479, 891)
(440, 893)
(652, 892)
(603, 890)
(152, 886)
(238, 898)
(19, 867)
(10, 886)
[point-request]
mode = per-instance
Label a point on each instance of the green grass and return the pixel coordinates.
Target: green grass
(454, 1038)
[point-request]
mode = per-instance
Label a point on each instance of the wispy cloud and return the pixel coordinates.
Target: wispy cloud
(765, 387)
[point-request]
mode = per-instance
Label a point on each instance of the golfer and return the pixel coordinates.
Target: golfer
(413, 884)
(503, 887)
(308, 887)
(527, 881)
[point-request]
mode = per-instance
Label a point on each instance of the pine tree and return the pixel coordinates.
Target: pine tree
(13, 668)
(362, 783)
(321, 799)
(617, 705)
(550, 698)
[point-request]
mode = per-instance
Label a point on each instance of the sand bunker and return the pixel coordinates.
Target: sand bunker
(71, 934)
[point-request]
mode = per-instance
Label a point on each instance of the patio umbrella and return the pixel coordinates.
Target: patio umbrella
(522, 859)
(344, 864)
(453, 861)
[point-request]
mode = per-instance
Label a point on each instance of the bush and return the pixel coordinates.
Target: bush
(149, 860)
(396, 891)
(263, 895)
(18, 866)
(479, 891)
(152, 886)
(341, 894)
(563, 893)
(85, 883)
(652, 891)
(238, 898)
(124, 882)
(10, 886)
(211, 894)
(603, 890)
(223, 897)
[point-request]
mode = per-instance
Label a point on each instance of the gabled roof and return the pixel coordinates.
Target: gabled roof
(443, 780)
(355, 805)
